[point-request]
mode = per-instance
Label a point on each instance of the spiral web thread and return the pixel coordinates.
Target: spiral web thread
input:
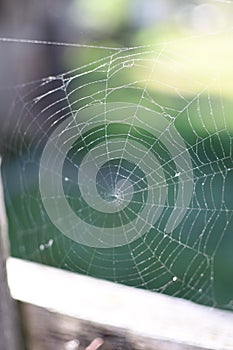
(169, 155)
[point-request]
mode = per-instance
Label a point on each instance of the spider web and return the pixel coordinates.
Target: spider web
(122, 169)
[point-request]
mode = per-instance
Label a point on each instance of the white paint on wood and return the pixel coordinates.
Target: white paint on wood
(10, 336)
(145, 313)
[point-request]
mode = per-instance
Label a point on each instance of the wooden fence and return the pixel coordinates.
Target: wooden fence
(44, 308)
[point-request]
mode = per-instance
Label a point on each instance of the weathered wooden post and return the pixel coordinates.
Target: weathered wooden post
(10, 337)
(61, 309)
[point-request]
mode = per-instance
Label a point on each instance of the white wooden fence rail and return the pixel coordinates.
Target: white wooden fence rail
(57, 306)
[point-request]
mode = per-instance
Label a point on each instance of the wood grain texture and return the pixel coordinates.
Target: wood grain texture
(47, 330)
(10, 335)
(137, 313)
(60, 310)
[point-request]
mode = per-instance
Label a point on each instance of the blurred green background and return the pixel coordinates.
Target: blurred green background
(180, 54)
